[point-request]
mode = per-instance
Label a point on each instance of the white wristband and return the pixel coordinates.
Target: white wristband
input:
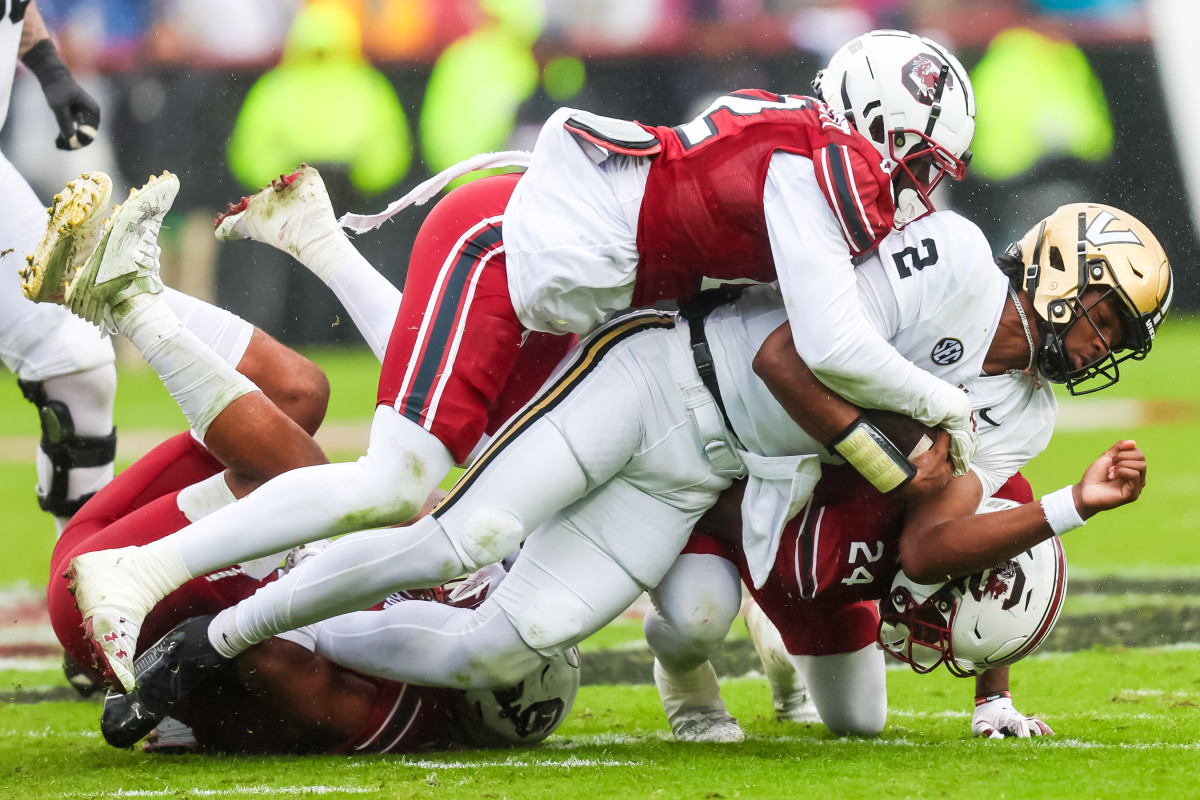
(1061, 514)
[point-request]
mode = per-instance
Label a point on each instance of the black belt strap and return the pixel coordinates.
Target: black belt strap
(694, 310)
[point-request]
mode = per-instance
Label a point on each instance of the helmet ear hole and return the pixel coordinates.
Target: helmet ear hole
(1056, 260)
(877, 130)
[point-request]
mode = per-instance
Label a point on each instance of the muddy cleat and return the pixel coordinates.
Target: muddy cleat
(795, 706)
(710, 726)
(293, 214)
(76, 223)
(698, 714)
(114, 591)
(125, 263)
(165, 673)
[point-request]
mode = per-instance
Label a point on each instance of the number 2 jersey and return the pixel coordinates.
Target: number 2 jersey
(935, 293)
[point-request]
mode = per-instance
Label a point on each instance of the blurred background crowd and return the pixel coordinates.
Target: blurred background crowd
(1078, 100)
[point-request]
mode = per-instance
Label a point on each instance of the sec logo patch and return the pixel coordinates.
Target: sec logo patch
(947, 351)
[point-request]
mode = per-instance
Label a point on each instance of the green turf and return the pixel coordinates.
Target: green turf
(1127, 724)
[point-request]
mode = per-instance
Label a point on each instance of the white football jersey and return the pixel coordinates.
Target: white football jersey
(10, 41)
(935, 293)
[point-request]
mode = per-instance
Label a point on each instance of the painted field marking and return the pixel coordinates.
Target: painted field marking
(565, 763)
(235, 791)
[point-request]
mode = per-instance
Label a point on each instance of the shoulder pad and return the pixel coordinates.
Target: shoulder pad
(613, 135)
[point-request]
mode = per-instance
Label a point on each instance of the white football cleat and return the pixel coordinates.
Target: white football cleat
(114, 591)
(795, 706)
(76, 220)
(697, 715)
(125, 263)
(293, 214)
(789, 694)
(711, 726)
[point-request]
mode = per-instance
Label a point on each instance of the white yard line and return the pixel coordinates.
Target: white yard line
(236, 791)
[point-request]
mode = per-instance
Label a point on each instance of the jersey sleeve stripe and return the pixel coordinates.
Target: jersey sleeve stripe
(843, 195)
(822, 160)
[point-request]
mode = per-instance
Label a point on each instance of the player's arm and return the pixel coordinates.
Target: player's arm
(309, 691)
(830, 419)
(829, 329)
(77, 113)
(943, 538)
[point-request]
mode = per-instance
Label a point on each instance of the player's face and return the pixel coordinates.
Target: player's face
(1088, 343)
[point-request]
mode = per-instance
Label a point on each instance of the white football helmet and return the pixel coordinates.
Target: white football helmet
(990, 619)
(524, 714)
(912, 98)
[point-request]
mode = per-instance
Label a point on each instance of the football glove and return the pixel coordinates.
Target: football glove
(997, 719)
(960, 424)
(77, 113)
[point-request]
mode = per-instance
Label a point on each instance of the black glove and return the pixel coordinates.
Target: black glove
(77, 113)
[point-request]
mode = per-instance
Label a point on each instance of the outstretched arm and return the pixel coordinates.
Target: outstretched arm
(943, 538)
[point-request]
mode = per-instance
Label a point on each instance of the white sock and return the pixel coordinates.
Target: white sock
(369, 298)
(223, 332)
(327, 252)
(201, 383)
(204, 497)
(697, 688)
(223, 633)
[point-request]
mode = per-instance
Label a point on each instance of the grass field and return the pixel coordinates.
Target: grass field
(1126, 724)
(1127, 720)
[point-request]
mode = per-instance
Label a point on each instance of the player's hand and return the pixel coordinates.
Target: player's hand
(77, 113)
(998, 719)
(1112, 480)
(933, 470)
(960, 424)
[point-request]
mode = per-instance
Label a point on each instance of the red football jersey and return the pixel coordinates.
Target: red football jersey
(836, 559)
(702, 212)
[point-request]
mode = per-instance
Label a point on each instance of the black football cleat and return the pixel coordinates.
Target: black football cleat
(177, 663)
(125, 721)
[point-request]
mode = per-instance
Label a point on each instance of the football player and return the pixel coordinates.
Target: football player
(63, 365)
(610, 214)
(281, 696)
(252, 405)
(611, 510)
(836, 558)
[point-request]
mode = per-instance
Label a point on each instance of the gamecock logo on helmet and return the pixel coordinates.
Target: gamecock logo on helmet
(920, 77)
(1006, 579)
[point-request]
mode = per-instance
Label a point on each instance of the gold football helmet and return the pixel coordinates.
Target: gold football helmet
(1085, 246)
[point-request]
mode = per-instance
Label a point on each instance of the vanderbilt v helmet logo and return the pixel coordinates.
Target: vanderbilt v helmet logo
(1098, 235)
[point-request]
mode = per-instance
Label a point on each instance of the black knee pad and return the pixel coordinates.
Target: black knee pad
(65, 450)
